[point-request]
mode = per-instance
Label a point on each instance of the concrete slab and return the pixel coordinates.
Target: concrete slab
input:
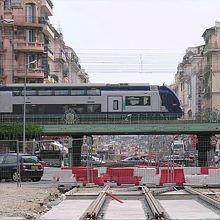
(188, 210)
(129, 209)
(67, 210)
(11, 218)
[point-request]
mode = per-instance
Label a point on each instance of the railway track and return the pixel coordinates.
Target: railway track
(140, 203)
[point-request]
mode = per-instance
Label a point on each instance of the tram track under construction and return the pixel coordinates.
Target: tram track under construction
(136, 203)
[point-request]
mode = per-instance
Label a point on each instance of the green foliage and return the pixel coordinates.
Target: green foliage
(15, 131)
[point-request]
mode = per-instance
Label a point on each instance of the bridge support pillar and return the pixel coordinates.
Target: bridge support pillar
(203, 147)
(75, 147)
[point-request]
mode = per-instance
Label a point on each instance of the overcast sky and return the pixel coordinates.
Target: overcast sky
(133, 40)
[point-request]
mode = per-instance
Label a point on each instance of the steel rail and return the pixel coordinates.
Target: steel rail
(157, 211)
(205, 198)
(93, 210)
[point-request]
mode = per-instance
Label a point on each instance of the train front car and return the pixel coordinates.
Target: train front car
(170, 103)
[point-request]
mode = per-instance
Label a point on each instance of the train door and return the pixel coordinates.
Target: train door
(155, 102)
(114, 104)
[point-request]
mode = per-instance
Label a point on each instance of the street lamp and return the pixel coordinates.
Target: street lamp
(24, 110)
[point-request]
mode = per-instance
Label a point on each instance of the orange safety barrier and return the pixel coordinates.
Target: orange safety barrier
(172, 176)
(205, 170)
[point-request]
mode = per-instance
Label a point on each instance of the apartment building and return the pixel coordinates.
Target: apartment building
(23, 24)
(188, 81)
(197, 81)
(212, 68)
(30, 47)
(74, 72)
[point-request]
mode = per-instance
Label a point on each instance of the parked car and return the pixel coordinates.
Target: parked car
(137, 160)
(30, 167)
(91, 160)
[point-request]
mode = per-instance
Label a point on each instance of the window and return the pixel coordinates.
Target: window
(115, 105)
(93, 108)
(30, 60)
(1, 159)
(30, 13)
(61, 92)
(15, 3)
(30, 93)
(7, 4)
(30, 36)
(78, 92)
(138, 101)
(163, 99)
(30, 159)
(45, 92)
(11, 159)
(94, 92)
(16, 93)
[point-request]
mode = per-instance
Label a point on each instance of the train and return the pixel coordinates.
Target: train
(89, 98)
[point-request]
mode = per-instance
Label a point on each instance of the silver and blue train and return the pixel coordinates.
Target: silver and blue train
(90, 99)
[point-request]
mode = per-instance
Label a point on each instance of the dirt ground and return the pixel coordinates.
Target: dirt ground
(29, 201)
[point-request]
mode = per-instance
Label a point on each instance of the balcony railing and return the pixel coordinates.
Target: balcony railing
(48, 30)
(31, 73)
(29, 46)
(29, 20)
(62, 57)
(48, 6)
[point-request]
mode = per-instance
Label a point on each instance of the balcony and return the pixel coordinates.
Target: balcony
(47, 5)
(29, 47)
(83, 76)
(48, 30)
(31, 73)
(29, 21)
(61, 57)
(47, 48)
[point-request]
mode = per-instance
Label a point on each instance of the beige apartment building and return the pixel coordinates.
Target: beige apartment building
(188, 81)
(197, 81)
(212, 68)
(30, 47)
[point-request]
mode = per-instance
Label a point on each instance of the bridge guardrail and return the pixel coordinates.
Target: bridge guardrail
(107, 119)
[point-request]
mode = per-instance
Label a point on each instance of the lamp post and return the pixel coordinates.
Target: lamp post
(24, 104)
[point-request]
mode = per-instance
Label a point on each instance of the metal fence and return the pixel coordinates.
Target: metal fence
(48, 119)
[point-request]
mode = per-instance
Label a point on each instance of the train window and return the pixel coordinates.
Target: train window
(163, 97)
(115, 105)
(138, 100)
(16, 93)
(17, 109)
(61, 92)
(30, 93)
(93, 108)
(78, 92)
(45, 92)
(93, 92)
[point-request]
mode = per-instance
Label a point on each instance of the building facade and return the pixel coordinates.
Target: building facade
(212, 68)
(188, 81)
(198, 75)
(30, 47)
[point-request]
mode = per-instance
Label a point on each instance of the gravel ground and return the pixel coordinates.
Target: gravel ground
(30, 200)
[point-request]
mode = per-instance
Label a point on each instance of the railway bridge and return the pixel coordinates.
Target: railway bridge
(78, 126)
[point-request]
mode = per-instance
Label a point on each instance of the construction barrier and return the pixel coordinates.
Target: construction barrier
(147, 175)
